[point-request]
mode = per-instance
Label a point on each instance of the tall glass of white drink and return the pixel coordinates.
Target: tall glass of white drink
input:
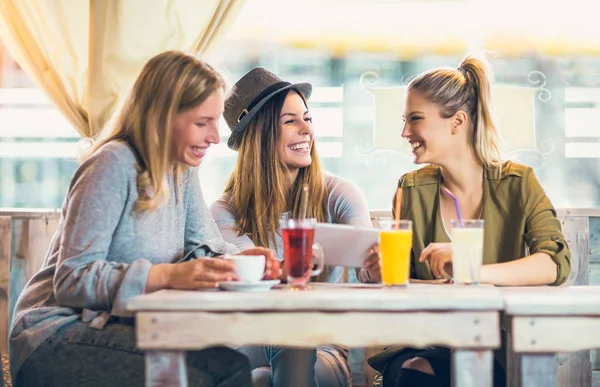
(467, 251)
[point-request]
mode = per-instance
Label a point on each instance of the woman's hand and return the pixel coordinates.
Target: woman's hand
(272, 265)
(283, 273)
(201, 273)
(373, 264)
(204, 273)
(439, 256)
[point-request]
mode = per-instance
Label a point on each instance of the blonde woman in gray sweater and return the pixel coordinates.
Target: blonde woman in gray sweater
(134, 221)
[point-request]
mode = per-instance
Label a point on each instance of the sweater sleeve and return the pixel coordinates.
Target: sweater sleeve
(95, 204)
(348, 204)
(202, 236)
(542, 228)
(225, 218)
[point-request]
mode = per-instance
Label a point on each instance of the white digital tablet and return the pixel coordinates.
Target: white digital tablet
(345, 245)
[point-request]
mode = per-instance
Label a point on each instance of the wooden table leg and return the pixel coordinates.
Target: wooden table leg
(472, 368)
(574, 369)
(165, 369)
(538, 370)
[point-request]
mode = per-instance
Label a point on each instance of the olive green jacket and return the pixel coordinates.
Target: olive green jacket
(518, 216)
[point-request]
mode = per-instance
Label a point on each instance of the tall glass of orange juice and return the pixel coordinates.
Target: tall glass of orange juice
(395, 243)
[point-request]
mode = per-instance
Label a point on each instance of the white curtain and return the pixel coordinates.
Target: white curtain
(85, 53)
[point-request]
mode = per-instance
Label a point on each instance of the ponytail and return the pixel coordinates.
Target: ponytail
(466, 88)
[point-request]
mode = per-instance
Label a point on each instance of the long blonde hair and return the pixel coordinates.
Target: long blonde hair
(466, 88)
(169, 83)
(258, 185)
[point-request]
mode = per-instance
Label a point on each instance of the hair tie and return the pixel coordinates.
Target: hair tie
(462, 71)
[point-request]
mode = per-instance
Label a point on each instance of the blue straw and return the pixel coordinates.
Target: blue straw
(447, 191)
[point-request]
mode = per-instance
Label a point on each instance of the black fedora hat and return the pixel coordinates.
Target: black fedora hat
(249, 95)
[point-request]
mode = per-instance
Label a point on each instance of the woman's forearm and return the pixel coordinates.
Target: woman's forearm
(536, 269)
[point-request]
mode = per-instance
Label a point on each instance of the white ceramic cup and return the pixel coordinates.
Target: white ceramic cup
(249, 268)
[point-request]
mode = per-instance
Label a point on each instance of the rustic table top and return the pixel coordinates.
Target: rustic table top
(550, 300)
(327, 297)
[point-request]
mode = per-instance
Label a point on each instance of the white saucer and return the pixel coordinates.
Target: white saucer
(237, 286)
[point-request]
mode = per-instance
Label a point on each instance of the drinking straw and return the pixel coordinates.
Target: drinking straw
(447, 191)
(304, 201)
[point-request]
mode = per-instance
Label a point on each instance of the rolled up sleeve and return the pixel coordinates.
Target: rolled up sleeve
(542, 229)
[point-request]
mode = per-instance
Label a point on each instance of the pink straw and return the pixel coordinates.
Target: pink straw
(447, 191)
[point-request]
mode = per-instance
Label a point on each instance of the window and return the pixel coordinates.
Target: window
(332, 44)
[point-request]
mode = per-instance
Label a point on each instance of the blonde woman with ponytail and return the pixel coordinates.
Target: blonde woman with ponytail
(449, 126)
(133, 222)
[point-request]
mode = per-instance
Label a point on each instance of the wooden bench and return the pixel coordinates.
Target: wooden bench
(24, 239)
(26, 234)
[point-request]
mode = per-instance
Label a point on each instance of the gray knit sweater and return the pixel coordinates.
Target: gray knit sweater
(102, 251)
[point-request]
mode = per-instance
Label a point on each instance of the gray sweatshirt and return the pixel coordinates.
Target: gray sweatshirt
(346, 204)
(102, 251)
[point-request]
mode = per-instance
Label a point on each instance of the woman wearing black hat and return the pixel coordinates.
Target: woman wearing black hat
(273, 131)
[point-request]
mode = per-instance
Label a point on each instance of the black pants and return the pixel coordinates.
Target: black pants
(440, 360)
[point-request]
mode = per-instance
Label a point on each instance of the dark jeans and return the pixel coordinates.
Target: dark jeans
(294, 367)
(440, 360)
(78, 355)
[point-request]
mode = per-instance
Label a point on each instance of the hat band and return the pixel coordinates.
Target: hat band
(261, 96)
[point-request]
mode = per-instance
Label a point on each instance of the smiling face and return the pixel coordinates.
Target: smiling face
(430, 135)
(295, 133)
(195, 129)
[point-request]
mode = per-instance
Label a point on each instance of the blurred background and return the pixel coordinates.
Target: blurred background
(551, 48)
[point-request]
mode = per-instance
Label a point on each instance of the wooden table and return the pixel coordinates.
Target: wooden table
(550, 320)
(464, 318)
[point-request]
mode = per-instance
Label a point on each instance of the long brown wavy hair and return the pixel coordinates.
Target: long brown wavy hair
(257, 186)
(168, 84)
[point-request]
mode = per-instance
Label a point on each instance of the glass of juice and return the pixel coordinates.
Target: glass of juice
(395, 244)
(467, 251)
(302, 258)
